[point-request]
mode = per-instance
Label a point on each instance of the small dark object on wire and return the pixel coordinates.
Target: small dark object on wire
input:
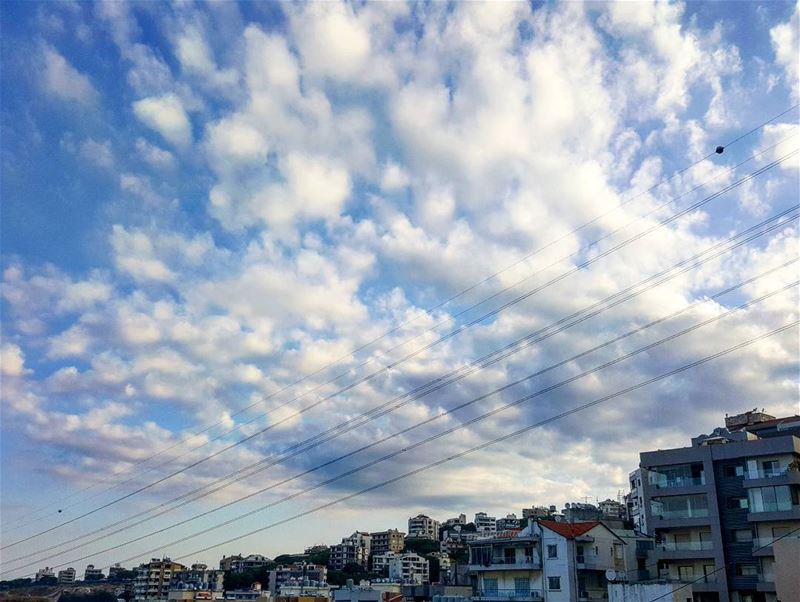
(720, 150)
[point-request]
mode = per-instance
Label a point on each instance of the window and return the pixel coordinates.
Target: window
(770, 468)
(733, 470)
(489, 585)
(552, 551)
(746, 570)
(771, 499)
(740, 535)
(554, 583)
(735, 503)
(686, 573)
(522, 585)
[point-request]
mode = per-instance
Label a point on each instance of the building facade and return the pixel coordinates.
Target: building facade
(485, 525)
(409, 568)
(241, 564)
(561, 562)
(634, 502)
(66, 576)
(423, 527)
(391, 540)
(199, 577)
(93, 574)
(297, 573)
(353, 550)
(721, 502)
(153, 579)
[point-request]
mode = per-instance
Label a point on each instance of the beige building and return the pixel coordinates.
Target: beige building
(387, 541)
(153, 579)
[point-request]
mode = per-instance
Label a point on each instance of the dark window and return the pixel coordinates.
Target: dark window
(554, 583)
(735, 503)
(552, 551)
(733, 470)
(740, 535)
(746, 570)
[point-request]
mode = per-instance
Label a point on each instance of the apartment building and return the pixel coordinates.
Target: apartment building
(44, 573)
(485, 525)
(353, 550)
(509, 522)
(241, 564)
(391, 540)
(560, 562)
(719, 504)
(93, 574)
(296, 573)
(634, 502)
(461, 519)
(612, 510)
(423, 527)
(115, 570)
(153, 579)
(199, 577)
(66, 576)
(409, 568)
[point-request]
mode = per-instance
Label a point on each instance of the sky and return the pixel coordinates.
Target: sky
(205, 203)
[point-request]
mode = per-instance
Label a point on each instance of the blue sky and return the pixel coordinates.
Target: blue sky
(203, 202)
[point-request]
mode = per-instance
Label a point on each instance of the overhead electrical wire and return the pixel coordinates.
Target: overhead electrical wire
(458, 407)
(775, 222)
(447, 336)
(482, 446)
(429, 310)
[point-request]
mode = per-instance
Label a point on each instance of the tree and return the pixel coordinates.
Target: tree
(122, 576)
(421, 546)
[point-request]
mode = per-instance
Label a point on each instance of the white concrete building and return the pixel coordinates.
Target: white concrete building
(66, 576)
(43, 573)
(485, 525)
(634, 501)
(559, 562)
(409, 568)
(509, 522)
(423, 527)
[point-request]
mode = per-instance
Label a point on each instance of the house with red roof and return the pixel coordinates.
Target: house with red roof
(548, 560)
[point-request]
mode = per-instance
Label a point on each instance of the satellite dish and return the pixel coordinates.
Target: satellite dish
(611, 575)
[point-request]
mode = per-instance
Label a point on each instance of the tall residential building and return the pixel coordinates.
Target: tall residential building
(199, 577)
(93, 574)
(485, 525)
(153, 579)
(44, 573)
(297, 574)
(353, 550)
(387, 541)
(634, 500)
(559, 562)
(66, 576)
(409, 568)
(241, 564)
(423, 527)
(716, 504)
(509, 522)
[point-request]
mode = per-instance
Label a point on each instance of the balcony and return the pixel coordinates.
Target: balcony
(677, 482)
(771, 477)
(501, 595)
(672, 546)
(504, 564)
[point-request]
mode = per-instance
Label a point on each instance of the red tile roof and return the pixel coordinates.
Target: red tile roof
(569, 530)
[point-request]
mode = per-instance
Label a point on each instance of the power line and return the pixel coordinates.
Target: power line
(489, 359)
(433, 308)
(453, 333)
(489, 443)
(442, 414)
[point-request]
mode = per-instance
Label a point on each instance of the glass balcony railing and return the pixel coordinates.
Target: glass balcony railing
(677, 546)
(513, 560)
(684, 513)
(670, 483)
(765, 473)
(522, 594)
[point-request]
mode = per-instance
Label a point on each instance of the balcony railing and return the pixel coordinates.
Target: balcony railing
(679, 546)
(769, 473)
(688, 579)
(677, 482)
(523, 595)
(513, 560)
(778, 506)
(678, 514)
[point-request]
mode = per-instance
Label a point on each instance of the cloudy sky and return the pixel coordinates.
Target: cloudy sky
(205, 203)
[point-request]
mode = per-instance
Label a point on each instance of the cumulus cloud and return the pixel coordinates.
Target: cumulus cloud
(786, 43)
(64, 81)
(166, 115)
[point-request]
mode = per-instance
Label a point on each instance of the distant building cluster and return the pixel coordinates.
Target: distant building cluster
(715, 521)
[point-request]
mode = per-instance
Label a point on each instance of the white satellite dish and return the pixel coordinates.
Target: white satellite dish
(611, 575)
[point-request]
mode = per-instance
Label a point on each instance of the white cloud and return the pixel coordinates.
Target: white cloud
(786, 43)
(63, 80)
(134, 254)
(12, 360)
(99, 153)
(166, 115)
(154, 156)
